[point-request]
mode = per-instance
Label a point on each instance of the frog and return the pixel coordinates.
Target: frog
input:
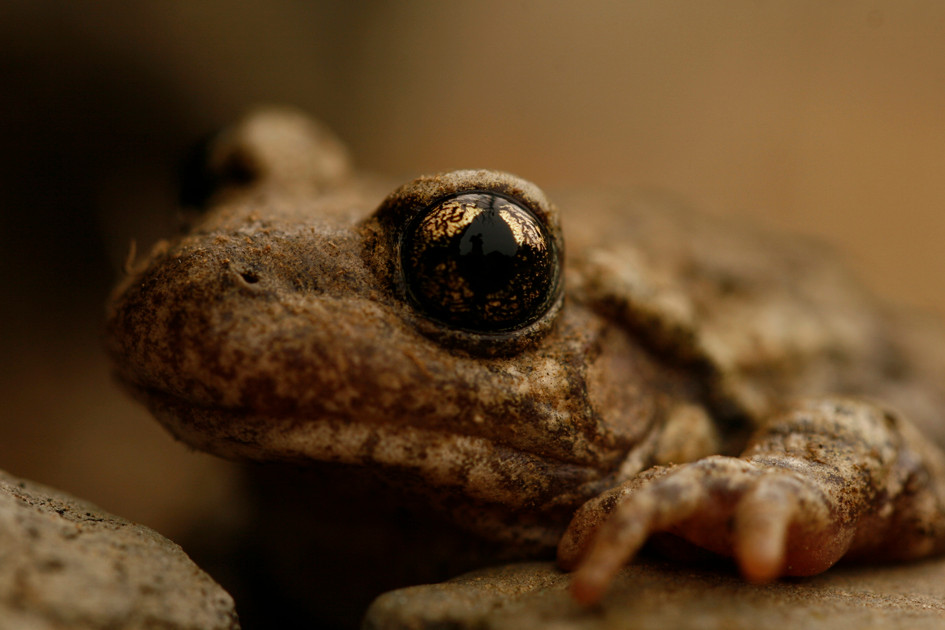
(659, 375)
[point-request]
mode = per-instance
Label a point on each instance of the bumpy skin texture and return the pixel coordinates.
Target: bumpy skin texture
(693, 377)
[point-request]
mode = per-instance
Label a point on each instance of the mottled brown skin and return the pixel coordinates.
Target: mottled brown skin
(693, 377)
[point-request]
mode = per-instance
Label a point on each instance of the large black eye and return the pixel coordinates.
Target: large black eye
(481, 262)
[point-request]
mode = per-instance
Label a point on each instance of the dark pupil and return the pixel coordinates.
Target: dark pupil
(481, 262)
(486, 256)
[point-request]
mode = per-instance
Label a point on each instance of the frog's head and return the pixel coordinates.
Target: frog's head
(308, 317)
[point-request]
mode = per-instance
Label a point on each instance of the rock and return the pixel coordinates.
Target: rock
(652, 594)
(66, 564)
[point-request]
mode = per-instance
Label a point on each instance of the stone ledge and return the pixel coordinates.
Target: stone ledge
(65, 563)
(654, 595)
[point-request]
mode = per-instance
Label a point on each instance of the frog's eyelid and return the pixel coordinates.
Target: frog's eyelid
(402, 205)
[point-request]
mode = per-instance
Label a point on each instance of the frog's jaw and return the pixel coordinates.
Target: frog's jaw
(455, 464)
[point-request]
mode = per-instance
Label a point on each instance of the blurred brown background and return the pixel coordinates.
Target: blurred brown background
(824, 118)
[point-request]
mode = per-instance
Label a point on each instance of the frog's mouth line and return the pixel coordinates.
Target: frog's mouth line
(478, 467)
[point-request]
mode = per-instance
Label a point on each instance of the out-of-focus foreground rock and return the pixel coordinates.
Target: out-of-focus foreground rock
(651, 595)
(66, 564)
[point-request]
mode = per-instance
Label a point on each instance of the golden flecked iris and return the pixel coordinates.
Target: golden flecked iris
(481, 262)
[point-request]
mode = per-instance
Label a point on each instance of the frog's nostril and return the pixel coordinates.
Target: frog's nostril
(249, 277)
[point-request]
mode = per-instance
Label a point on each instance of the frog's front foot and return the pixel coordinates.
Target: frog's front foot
(774, 521)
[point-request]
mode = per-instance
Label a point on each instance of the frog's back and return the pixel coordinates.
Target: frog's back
(769, 317)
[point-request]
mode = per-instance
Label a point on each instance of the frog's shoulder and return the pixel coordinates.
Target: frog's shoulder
(767, 316)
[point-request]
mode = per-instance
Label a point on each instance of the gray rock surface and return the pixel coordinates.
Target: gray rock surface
(66, 564)
(658, 595)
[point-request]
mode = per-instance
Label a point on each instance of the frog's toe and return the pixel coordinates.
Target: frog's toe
(610, 548)
(762, 520)
(599, 544)
(785, 526)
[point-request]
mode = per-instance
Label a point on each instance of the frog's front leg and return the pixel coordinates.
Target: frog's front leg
(824, 479)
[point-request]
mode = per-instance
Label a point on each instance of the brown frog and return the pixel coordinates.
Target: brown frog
(669, 373)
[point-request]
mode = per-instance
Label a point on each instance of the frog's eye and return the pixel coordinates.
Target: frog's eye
(480, 261)
(205, 169)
